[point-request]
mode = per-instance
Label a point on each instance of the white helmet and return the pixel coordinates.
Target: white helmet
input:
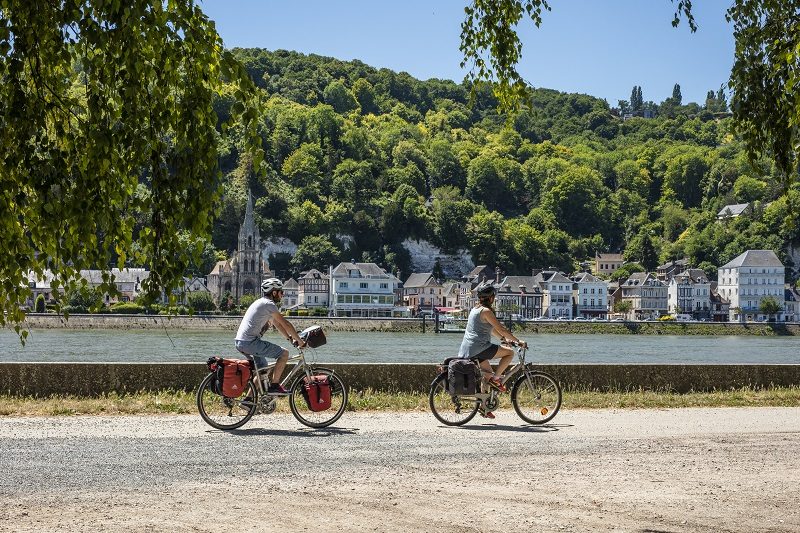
(271, 284)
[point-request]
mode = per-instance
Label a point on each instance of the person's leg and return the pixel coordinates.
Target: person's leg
(280, 365)
(486, 367)
(506, 355)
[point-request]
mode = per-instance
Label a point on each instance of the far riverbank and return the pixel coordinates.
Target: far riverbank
(412, 325)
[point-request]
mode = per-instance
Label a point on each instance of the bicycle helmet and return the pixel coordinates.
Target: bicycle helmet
(485, 290)
(271, 284)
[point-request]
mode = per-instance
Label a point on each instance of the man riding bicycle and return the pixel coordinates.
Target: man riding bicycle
(481, 325)
(255, 322)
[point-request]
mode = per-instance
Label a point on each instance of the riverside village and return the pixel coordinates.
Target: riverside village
(749, 288)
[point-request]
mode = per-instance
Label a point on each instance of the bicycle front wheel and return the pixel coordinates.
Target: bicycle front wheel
(299, 404)
(536, 397)
(449, 410)
(225, 413)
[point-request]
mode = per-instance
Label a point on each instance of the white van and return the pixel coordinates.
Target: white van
(683, 317)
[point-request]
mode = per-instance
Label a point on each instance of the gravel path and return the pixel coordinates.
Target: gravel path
(629, 470)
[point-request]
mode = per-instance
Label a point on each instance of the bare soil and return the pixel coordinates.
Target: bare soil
(727, 469)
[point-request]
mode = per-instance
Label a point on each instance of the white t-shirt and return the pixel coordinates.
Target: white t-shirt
(254, 319)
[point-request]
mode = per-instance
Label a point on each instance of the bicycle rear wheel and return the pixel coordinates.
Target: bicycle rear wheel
(538, 399)
(449, 410)
(225, 413)
(318, 419)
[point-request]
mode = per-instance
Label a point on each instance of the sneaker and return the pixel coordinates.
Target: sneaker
(485, 414)
(496, 383)
(276, 389)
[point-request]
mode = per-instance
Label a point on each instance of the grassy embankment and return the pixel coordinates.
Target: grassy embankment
(170, 402)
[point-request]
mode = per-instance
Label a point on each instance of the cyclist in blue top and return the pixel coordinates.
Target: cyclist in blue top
(481, 325)
(255, 322)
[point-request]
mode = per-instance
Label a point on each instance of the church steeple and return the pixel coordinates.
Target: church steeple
(249, 236)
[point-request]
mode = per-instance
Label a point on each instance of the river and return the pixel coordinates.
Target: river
(50, 345)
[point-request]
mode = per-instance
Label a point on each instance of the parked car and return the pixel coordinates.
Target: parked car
(581, 318)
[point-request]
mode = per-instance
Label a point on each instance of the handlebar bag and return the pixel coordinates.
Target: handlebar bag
(314, 336)
(462, 377)
(317, 393)
(232, 377)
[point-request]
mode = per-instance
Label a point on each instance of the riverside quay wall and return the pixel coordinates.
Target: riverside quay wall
(93, 379)
(231, 323)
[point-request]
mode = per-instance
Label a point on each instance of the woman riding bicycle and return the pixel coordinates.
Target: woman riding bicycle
(481, 325)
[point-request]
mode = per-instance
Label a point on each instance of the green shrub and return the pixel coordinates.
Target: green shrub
(201, 301)
(40, 304)
(127, 308)
(302, 312)
(246, 300)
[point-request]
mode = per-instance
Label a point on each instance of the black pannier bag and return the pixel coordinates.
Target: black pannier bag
(463, 377)
(214, 365)
(314, 336)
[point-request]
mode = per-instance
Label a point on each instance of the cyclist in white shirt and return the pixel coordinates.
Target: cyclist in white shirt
(256, 321)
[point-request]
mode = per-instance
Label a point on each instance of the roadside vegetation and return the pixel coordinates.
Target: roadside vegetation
(180, 402)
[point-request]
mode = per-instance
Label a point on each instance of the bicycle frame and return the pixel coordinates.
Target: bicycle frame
(491, 396)
(263, 372)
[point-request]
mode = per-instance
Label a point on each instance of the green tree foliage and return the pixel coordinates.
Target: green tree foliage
(764, 80)
(315, 251)
(339, 97)
(201, 301)
(769, 306)
(98, 96)
(625, 271)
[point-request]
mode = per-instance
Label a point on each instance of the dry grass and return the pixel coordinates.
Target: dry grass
(178, 402)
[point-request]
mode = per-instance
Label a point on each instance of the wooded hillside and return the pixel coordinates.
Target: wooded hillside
(358, 159)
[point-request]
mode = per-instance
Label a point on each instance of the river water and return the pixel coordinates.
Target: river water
(346, 347)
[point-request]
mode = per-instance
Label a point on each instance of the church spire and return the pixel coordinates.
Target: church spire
(249, 236)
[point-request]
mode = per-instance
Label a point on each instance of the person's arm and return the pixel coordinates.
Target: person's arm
(286, 328)
(499, 329)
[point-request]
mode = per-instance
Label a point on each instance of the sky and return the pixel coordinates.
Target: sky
(598, 47)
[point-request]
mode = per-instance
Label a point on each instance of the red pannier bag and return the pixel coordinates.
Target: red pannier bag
(235, 375)
(317, 393)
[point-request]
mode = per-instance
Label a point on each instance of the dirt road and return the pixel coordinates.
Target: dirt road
(647, 470)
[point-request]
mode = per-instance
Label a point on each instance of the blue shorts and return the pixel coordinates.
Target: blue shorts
(260, 350)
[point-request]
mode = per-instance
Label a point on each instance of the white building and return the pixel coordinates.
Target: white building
(690, 293)
(647, 295)
(314, 289)
(362, 290)
(591, 296)
(748, 279)
(128, 282)
(290, 293)
(556, 294)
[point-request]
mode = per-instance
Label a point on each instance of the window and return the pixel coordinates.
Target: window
(384, 285)
(342, 284)
(364, 285)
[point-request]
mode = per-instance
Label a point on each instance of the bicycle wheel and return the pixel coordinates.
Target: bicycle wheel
(536, 400)
(225, 413)
(448, 410)
(318, 419)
